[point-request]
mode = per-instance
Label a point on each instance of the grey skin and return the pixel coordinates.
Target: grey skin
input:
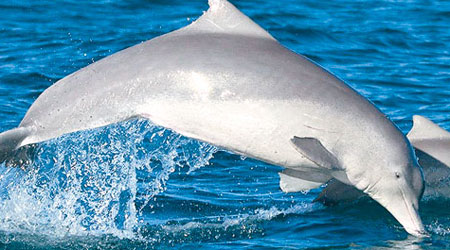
(226, 81)
(432, 146)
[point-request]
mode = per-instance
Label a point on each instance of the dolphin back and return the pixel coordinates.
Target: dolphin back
(430, 139)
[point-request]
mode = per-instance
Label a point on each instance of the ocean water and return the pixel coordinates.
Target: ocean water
(135, 185)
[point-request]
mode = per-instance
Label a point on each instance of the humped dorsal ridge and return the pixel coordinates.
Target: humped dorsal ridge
(223, 17)
(425, 129)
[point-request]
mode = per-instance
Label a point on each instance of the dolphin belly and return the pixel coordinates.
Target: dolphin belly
(255, 129)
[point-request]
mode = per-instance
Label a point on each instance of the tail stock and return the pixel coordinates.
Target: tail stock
(10, 141)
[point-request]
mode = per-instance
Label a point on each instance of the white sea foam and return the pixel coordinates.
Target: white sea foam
(241, 220)
(94, 182)
(438, 228)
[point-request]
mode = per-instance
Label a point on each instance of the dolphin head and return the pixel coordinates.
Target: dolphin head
(399, 189)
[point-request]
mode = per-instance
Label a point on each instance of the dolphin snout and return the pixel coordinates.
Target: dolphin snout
(406, 212)
(412, 222)
(418, 233)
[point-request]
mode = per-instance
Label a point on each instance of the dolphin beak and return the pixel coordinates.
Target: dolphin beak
(412, 223)
(406, 212)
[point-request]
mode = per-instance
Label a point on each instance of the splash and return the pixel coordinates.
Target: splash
(439, 228)
(94, 183)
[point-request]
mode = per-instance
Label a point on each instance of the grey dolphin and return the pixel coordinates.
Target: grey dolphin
(428, 138)
(226, 81)
(432, 146)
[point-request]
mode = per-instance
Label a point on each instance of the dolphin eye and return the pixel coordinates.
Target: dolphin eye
(397, 174)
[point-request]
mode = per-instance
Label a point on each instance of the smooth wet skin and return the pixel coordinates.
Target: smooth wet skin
(224, 81)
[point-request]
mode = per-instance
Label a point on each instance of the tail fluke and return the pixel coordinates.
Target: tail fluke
(10, 141)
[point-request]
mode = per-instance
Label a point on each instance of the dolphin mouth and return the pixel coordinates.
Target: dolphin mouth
(418, 233)
(414, 225)
(405, 211)
(417, 229)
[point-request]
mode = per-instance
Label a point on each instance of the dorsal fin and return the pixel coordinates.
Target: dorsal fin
(425, 129)
(223, 17)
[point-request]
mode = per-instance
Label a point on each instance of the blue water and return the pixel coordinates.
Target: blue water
(138, 186)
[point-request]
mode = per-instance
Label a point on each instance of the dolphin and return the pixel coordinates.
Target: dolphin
(432, 146)
(428, 138)
(226, 81)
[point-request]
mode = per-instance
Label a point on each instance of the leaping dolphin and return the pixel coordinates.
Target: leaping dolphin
(226, 81)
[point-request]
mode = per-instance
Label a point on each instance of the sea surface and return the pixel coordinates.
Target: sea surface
(135, 185)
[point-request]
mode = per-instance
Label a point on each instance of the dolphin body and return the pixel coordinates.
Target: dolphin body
(432, 146)
(226, 81)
